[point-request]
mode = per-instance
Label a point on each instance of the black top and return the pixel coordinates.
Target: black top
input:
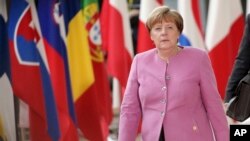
(241, 64)
(162, 138)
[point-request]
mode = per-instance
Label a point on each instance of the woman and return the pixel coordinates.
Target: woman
(172, 89)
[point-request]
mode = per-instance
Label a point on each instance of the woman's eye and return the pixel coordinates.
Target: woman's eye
(158, 28)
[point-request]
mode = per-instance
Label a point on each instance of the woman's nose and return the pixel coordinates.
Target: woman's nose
(164, 31)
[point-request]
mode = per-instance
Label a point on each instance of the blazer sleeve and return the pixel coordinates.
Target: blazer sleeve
(212, 100)
(130, 108)
(241, 64)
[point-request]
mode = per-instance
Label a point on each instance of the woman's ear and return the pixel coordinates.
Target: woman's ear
(151, 37)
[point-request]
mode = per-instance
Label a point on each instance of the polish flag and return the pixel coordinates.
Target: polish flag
(144, 42)
(223, 35)
(192, 34)
(117, 39)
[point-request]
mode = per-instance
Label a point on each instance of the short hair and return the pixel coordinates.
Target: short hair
(163, 13)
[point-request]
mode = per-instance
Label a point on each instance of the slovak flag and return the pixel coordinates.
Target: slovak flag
(192, 34)
(223, 36)
(29, 74)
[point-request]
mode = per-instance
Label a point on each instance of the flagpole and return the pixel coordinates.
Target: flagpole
(116, 95)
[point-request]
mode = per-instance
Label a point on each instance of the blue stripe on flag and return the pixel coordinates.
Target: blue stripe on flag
(184, 41)
(4, 50)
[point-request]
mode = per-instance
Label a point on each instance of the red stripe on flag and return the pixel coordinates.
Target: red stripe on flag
(144, 41)
(196, 12)
(91, 121)
(57, 75)
(223, 55)
(119, 59)
(38, 127)
(29, 91)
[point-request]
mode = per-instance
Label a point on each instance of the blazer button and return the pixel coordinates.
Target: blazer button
(162, 114)
(195, 128)
(163, 101)
(164, 88)
(168, 77)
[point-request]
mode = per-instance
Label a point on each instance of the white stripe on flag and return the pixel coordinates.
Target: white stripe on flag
(122, 7)
(3, 9)
(7, 108)
(146, 7)
(221, 15)
(191, 29)
(247, 7)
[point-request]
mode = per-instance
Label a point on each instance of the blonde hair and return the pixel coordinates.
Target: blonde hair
(164, 13)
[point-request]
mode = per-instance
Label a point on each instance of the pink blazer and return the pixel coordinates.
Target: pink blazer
(180, 96)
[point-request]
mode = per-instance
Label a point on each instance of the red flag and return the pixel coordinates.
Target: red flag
(117, 38)
(223, 36)
(144, 42)
(93, 108)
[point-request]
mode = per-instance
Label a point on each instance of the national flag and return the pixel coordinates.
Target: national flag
(101, 85)
(223, 35)
(90, 98)
(98, 94)
(51, 23)
(29, 75)
(192, 34)
(143, 41)
(117, 39)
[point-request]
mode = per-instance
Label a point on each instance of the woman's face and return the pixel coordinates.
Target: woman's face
(164, 35)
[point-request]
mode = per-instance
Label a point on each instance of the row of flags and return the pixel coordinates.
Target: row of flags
(57, 68)
(57, 63)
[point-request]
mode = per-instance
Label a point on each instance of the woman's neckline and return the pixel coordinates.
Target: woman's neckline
(179, 49)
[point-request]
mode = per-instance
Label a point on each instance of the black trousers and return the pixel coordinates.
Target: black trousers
(162, 138)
